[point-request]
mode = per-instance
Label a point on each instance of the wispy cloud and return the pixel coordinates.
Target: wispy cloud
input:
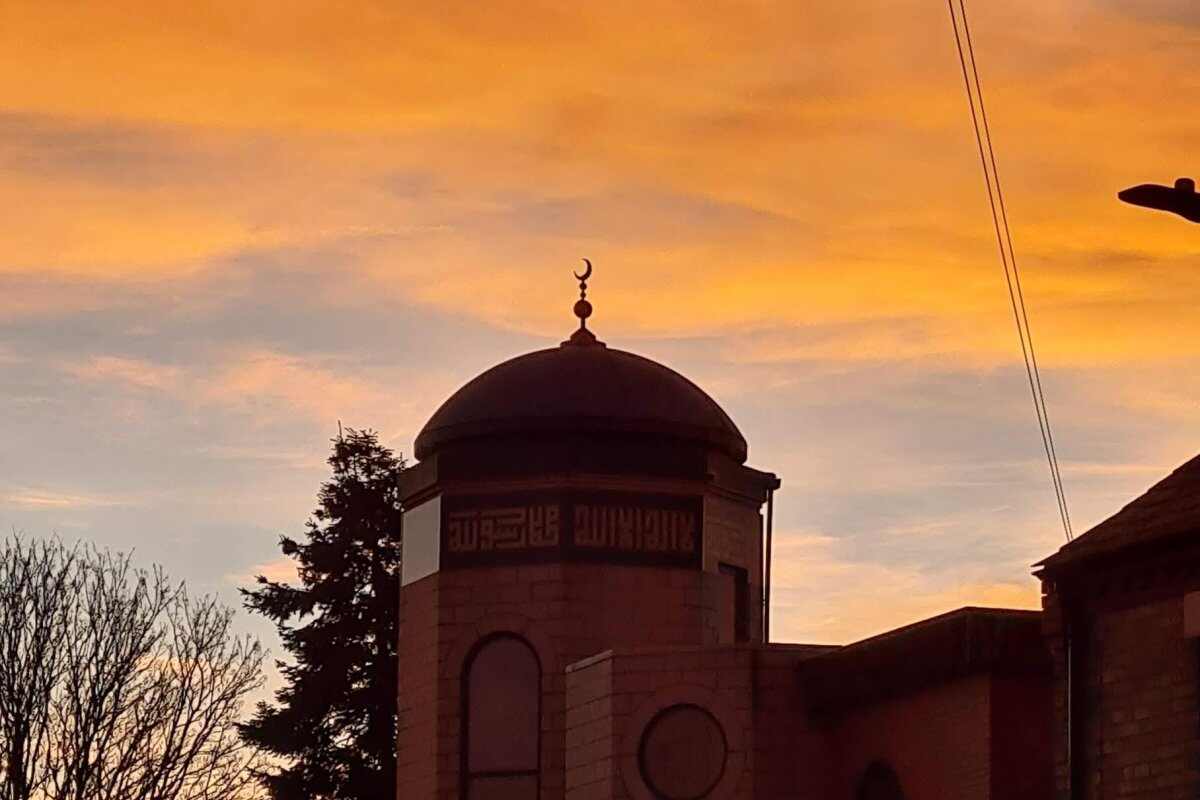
(820, 595)
(305, 385)
(797, 192)
(292, 220)
(28, 497)
(134, 372)
(281, 570)
(267, 386)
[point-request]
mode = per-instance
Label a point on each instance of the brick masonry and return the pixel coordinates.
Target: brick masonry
(1136, 712)
(937, 740)
(617, 643)
(610, 699)
(566, 611)
(970, 739)
(1125, 700)
(973, 705)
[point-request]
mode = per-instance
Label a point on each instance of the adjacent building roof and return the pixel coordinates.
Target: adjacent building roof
(581, 387)
(1170, 508)
(954, 645)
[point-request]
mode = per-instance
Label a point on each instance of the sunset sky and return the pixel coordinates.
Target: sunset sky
(226, 226)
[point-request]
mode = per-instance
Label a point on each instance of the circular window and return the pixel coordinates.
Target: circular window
(682, 754)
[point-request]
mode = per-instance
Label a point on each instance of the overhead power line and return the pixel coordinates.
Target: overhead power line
(1008, 259)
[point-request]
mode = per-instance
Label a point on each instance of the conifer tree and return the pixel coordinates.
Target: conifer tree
(333, 723)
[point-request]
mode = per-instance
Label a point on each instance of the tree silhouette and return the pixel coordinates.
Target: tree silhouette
(333, 724)
(115, 684)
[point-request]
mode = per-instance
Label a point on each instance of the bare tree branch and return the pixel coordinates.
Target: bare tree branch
(115, 684)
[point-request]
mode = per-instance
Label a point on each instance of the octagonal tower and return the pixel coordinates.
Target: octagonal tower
(566, 502)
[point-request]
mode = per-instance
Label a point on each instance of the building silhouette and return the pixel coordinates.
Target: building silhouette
(582, 616)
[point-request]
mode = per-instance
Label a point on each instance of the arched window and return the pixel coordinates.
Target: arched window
(502, 711)
(879, 782)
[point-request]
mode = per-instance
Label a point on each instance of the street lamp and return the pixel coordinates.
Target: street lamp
(1180, 199)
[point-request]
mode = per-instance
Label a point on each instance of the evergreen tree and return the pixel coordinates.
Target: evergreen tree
(333, 724)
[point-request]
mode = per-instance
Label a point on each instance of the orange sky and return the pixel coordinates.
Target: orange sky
(228, 226)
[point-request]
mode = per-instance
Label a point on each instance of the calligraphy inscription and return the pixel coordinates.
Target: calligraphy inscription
(537, 527)
(635, 530)
(512, 528)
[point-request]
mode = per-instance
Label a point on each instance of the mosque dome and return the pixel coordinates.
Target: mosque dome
(582, 386)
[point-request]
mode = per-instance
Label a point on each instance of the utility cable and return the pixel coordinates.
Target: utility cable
(983, 139)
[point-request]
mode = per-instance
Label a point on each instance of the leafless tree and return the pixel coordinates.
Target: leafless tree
(115, 684)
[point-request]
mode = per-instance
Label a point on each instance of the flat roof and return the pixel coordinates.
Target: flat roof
(937, 650)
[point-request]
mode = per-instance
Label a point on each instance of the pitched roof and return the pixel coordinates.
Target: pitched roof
(1168, 509)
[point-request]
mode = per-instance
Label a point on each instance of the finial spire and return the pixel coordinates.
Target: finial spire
(583, 310)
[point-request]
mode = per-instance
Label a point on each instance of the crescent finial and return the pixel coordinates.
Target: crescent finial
(587, 273)
(583, 309)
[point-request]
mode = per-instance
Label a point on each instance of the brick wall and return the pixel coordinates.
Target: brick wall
(1140, 731)
(733, 534)
(976, 738)
(417, 722)
(1022, 739)
(938, 741)
(1053, 628)
(529, 601)
(1136, 709)
(611, 698)
(792, 753)
(566, 611)
(590, 744)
